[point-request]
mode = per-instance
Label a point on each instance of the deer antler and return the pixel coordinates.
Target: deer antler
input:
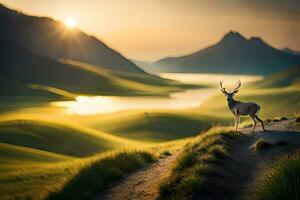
(222, 88)
(237, 88)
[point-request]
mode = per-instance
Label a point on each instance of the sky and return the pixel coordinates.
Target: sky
(149, 30)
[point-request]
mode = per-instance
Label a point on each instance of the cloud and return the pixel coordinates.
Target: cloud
(271, 9)
(275, 9)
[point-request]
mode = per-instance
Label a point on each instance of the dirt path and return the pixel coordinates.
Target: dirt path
(142, 184)
(257, 164)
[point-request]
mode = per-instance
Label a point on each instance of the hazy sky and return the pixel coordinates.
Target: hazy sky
(152, 29)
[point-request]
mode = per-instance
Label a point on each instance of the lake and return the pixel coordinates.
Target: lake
(84, 105)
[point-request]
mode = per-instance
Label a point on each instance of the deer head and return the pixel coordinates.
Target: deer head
(230, 95)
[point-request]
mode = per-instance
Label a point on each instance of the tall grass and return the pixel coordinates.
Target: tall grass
(197, 164)
(283, 181)
(99, 172)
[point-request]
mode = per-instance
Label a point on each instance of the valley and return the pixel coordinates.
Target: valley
(80, 120)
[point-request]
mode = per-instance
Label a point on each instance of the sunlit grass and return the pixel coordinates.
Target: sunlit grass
(273, 101)
(40, 157)
(74, 178)
(65, 139)
(44, 149)
(98, 172)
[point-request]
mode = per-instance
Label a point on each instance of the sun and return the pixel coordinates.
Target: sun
(70, 22)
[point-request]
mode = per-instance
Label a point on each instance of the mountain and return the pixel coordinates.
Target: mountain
(46, 37)
(233, 54)
(291, 51)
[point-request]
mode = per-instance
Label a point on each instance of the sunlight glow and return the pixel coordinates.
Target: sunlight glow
(95, 105)
(70, 22)
(84, 105)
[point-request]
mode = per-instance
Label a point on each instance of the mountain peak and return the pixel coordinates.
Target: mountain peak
(233, 36)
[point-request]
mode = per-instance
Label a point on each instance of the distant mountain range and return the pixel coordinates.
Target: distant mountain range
(46, 37)
(234, 54)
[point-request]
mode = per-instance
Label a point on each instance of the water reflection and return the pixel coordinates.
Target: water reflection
(84, 105)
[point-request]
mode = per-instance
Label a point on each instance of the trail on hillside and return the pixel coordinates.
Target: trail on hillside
(260, 163)
(143, 184)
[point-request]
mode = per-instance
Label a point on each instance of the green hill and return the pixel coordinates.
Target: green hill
(20, 65)
(281, 79)
(273, 101)
(153, 125)
(10, 89)
(14, 154)
(60, 139)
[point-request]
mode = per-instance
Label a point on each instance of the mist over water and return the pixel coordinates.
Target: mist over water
(84, 105)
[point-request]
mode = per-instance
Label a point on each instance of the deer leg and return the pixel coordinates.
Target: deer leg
(237, 120)
(254, 125)
(261, 121)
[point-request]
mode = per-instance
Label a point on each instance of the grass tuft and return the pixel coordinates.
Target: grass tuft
(283, 181)
(195, 165)
(219, 151)
(99, 172)
(261, 145)
(166, 153)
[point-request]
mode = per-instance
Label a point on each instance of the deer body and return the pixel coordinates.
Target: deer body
(239, 108)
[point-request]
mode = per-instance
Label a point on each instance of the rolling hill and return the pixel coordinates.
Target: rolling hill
(19, 65)
(284, 78)
(234, 54)
(278, 95)
(12, 88)
(54, 138)
(46, 37)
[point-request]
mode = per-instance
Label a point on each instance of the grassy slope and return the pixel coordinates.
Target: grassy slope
(14, 155)
(39, 175)
(18, 64)
(282, 181)
(68, 178)
(278, 95)
(285, 78)
(15, 95)
(14, 90)
(53, 158)
(73, 141)
(97, 174)
(161, 125)
(198, 167)
(153, 125)
(77, 77)
(126, 83)
(77, 179)
(273, 101)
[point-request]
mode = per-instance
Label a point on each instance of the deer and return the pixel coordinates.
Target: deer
(239, 108)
